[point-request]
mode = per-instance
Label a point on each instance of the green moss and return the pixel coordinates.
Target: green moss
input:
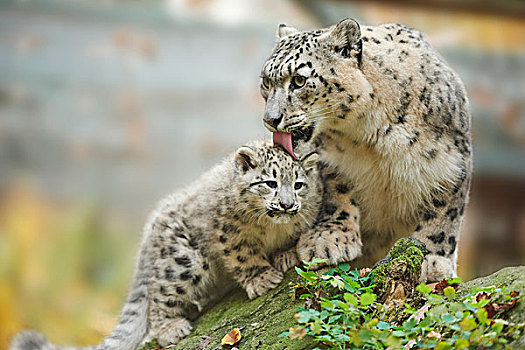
(406, 251)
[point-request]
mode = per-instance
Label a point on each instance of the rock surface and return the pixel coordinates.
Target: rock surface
(260, 321)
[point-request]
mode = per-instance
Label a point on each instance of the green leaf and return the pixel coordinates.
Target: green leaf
(454, 280)
(383, 325)
(335, 318)
(448, 318)
(393, 342)
(410, 324)
(350, 299)
(344, 267)
(318, 261)
(443, 346)
(468, 324)
(449, 292)
(461, 344)
(373, 322)
(398, 333)
(435, 299)
(316, 327)
(367, 298)
(324, 314)
(476, 335)
(423, 288)
(497, 326)
(327, 303)
(303, 274)
(305, 315)
(482, 316)
(330, 272)
(342, 305)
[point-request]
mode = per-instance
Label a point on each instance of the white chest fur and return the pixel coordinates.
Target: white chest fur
(391, 181)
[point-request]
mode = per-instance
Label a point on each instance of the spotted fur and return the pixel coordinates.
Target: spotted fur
(238, 223)
(391, 120)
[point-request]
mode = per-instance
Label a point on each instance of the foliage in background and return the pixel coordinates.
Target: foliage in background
(342, 312)
(64, 270)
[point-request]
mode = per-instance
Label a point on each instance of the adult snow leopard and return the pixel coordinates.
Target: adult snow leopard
(392, 121)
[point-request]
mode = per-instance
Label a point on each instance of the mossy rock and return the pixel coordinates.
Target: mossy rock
(513, 278)
(263, 319)
(260, 321)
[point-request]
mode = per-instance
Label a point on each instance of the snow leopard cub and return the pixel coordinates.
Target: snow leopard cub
(238, 223)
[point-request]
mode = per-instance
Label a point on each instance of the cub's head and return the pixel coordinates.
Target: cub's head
(313, 81)
(274, 188)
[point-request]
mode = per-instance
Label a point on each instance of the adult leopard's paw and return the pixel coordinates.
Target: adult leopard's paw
(263, 282)
(436, 267)
(335, 247)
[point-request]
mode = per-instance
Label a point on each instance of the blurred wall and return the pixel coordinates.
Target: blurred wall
(105, 107)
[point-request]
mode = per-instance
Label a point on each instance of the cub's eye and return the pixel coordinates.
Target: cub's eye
(298, 81)
(298, 185)
(271, 184)
(266, 83)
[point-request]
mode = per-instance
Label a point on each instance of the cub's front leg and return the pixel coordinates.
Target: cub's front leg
(285, 260)
(336, 236)
(250, 267)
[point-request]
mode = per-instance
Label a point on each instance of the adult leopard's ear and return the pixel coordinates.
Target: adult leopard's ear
(309, 161)
(345, 38)
(284, 31)
(245, 159)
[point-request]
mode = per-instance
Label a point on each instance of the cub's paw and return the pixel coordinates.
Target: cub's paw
(174, 332)
(336, 247)
(286, 260)
(435, 268)
(263, 282)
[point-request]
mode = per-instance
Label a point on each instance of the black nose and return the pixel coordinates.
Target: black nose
(273, 121)
(285, 206)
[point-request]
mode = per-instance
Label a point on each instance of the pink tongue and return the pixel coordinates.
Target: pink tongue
(284, 139)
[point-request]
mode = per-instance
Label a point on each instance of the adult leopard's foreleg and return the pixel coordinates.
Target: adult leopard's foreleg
(336, 236)
(439, 229)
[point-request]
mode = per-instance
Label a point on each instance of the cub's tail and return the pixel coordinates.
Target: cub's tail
(127, 334)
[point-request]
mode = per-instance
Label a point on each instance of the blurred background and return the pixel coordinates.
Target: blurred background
(107, 106)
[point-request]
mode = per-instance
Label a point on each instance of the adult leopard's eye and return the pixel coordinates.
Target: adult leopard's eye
(298, 185)
(266, 83)
(298, 81)
(271, 184)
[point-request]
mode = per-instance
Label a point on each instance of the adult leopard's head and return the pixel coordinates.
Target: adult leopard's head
(274, 187)
(313, 81)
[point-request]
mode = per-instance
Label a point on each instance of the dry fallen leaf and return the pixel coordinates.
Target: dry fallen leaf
(364, 271)
(420, 314)
(438, 288)
(433, 334)
(494, 308)
(410, 344)
(297, 332)
(232, 338)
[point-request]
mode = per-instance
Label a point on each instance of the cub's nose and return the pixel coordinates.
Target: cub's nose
(272, 120)
(285, 206)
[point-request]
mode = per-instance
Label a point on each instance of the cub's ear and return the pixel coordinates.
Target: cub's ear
(345, 38)
(245, 159)
(309, 161)
(284, 31)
